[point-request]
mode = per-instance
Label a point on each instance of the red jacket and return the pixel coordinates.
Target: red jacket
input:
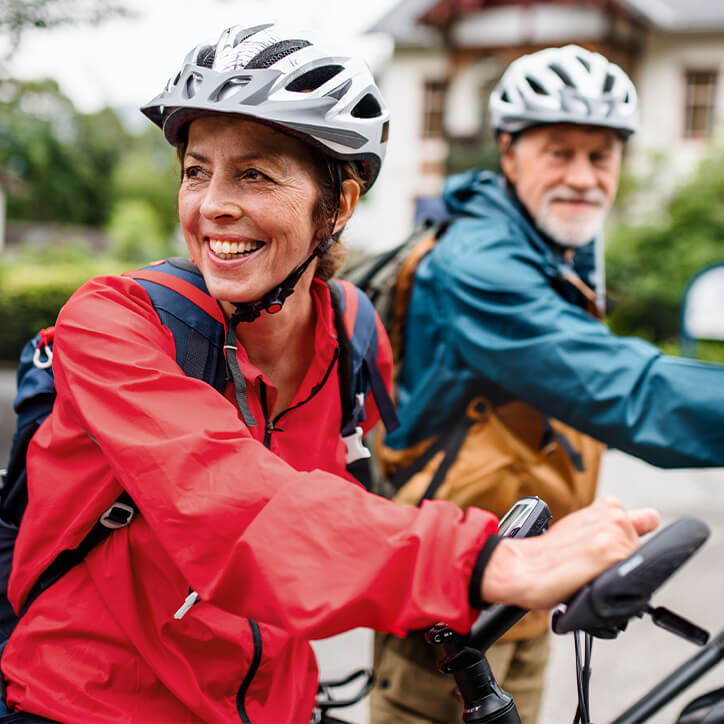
(280, 545)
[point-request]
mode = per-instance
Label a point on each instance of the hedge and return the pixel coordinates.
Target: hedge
(31, 296)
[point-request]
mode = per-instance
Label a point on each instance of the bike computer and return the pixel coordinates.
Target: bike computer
(528, 516)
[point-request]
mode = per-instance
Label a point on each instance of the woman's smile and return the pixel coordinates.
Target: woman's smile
(233, 250)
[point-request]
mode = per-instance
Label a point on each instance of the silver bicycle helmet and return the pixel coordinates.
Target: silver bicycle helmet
(269, 74)
(564, 85)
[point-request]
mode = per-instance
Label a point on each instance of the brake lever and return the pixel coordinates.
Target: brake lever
(675, 624)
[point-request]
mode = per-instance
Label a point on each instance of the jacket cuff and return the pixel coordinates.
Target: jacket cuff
(476, 580)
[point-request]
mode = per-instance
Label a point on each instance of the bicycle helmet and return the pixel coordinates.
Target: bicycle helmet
(564, 85)
(271, 75)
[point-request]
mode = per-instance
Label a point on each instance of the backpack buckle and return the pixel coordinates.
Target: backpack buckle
(40, 363)
(356, 450)
(118, 515)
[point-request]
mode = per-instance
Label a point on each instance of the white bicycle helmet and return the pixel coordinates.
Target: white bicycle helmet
(269, 74)
(564, 85)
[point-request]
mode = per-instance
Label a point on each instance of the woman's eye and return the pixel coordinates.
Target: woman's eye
(253, 174)
(192, 172)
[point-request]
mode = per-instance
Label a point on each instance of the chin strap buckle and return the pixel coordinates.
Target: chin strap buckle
(356, 449)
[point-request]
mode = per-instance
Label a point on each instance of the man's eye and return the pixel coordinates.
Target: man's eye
(192, 172)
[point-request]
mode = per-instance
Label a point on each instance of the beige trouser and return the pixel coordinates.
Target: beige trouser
(409, 689)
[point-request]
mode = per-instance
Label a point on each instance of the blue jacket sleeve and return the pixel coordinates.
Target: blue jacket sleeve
(511, 326)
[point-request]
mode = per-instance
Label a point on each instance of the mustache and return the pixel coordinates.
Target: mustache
(566, 193)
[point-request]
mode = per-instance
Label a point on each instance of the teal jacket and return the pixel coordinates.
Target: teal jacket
(489, 315)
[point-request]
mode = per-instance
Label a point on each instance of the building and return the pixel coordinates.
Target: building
(450, 53)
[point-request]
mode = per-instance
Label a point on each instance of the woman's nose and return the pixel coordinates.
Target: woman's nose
(221, 200)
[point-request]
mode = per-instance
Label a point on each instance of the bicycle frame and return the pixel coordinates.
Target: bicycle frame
(676, 682)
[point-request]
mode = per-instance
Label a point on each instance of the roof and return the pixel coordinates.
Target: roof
(675, 16)
(402, 23)
(680, 15)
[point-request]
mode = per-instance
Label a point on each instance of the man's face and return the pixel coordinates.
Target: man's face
(566, 176)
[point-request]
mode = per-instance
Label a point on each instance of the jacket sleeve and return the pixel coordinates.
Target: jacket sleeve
(220, 502)
(510, 326)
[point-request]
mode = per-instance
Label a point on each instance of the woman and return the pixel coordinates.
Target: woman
(244, 498)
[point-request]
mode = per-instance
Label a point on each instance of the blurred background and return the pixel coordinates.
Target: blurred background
(88, 186)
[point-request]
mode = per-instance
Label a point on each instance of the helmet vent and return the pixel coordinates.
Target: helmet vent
(229, 88)
(562, 75)
(274, 53)
(608, 83)
(367, 107)
(192, 83)
(536, 86)
(313, 79)
(206, 56)
(584, 63)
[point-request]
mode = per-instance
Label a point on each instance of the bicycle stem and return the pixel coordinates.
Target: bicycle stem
(484, 702)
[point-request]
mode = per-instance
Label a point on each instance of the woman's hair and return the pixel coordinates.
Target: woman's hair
(324, 214)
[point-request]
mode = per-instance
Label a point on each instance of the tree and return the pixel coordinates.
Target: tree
(648, 267)
(65, 158)
(19, 16)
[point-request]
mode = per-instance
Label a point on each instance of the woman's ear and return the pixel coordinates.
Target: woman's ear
(347, 202)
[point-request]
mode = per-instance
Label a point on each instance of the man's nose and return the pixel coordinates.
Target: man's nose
(221, 200)
(580, 173)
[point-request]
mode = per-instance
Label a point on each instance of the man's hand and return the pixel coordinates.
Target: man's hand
(543, 571)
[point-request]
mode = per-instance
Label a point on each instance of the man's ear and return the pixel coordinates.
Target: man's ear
(347, 202)
(506, 147)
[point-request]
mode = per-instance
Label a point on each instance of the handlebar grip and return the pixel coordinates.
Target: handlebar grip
(604, 606)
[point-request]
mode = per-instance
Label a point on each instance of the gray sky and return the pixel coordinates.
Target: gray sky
(126, 62)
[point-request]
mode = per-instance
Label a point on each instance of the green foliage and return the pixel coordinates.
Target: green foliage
(149, 170)
(477, 152)
(63, 158)
(31, 296)
(137, 233)
(648, 267)
(88, 170)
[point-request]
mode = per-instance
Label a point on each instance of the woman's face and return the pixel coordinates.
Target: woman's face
(245, 205)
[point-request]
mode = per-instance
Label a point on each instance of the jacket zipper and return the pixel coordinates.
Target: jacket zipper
(255, 660)
(271, 425)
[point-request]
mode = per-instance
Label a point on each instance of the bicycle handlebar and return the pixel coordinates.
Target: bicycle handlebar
(604, 606)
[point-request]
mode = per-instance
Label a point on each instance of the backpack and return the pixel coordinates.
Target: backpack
(179, 296)
(387, 279)
(499, 448)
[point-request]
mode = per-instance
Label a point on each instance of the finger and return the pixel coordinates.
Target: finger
(644, 520)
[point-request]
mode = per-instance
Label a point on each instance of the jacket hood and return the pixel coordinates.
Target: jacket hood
(483, 194)
(480, 193)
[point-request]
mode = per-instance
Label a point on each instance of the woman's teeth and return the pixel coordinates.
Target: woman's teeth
(230, 249)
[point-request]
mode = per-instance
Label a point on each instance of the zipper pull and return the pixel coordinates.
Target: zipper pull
(190, 600)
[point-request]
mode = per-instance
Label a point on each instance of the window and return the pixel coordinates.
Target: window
(700, 96)
(433, 108)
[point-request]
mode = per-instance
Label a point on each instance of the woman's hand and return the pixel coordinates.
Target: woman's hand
(543, 571)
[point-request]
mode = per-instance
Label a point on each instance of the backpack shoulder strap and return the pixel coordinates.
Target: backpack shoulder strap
(359, 372)
(179, 296)
(403, 294)
(178, 293)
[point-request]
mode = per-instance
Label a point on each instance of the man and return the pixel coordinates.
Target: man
(510, 383)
